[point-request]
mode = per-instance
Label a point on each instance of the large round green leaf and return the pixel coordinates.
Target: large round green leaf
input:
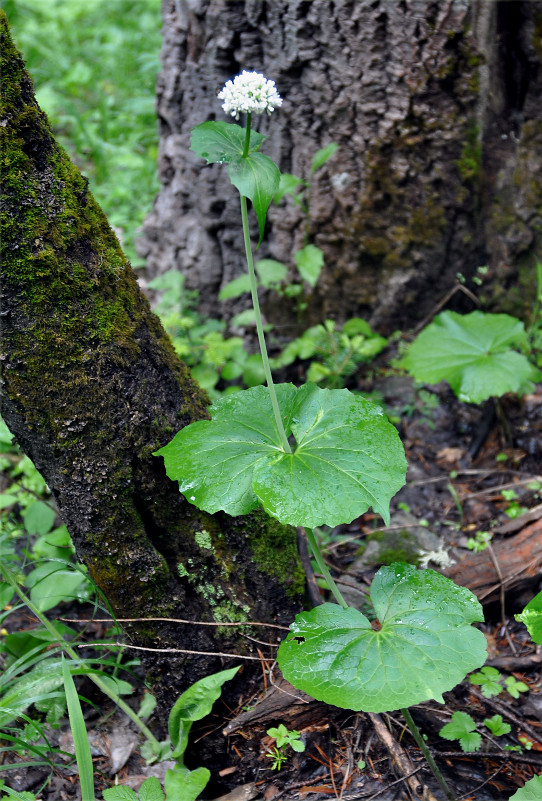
(473, 353)
(425, 645)
(347, 457)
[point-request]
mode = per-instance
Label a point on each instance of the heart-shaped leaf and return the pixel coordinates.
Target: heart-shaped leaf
(425, 645)
(473, 354)
(348, 457)
(532, 618)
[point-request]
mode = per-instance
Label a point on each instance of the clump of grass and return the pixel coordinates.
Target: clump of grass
(94, 67)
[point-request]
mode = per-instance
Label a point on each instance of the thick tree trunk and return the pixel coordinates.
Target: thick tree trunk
(436, 110)
(90, 388)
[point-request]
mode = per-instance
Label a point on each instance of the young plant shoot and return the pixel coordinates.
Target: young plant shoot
(345, 457)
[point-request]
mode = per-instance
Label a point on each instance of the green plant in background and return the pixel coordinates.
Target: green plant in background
(489, 680)
(534, 329)
(474, 353)
(272, 274)
(480, 541)
(334, 353)
(462, 728)
(311, 457)
(99, 93)
(497, 726)
(531, 617)
(283, 738)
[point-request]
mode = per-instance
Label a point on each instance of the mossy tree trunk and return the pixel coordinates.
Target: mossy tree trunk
(90, 388)
(436, 110)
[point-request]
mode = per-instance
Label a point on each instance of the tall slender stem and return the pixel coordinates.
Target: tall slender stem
(259, 329)
(427, 754)
(246, 147)
(313, 544)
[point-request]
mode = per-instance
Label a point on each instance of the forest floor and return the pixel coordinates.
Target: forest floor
(450, 495)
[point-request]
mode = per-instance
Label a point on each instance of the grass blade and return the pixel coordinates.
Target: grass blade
(80, 738)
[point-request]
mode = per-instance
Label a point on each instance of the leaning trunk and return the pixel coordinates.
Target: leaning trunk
(91, 387)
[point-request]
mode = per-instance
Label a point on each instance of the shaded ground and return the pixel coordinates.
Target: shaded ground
(449, 496)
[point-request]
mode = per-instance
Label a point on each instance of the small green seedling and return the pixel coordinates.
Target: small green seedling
(497, 726)
(489, 680)
(285, 737)
(515, 687)
(150, 790)
(475, 353)
(480, 541)
(463, 728)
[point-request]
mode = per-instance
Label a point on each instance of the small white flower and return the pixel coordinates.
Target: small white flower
(440, 557)
(249, 92)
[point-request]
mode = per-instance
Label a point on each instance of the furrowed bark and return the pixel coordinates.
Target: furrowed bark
(91, 387)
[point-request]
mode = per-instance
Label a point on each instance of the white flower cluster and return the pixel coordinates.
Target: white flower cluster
(249, 92)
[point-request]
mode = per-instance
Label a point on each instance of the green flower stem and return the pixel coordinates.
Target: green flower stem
(73, 654)
(324, 569)
(259, 328)
(427, 754)
(246, 147)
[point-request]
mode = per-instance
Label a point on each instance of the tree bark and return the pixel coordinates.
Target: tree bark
(435, 107)
(91, 387)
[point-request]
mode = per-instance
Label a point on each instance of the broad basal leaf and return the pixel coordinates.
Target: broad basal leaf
(532, 618)
(347, 457)
(425, 646)
(473, 354)
(182, 784)
(531, 791)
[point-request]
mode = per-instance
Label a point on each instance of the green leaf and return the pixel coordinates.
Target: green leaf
(532, 618)
(462, 727)
(38, 518)
(348, 457)
(7, 500)
(6, 594)
(236, 288)
(194, 704)
(51, 584)
(310, 261)
(244, 318)
(222, 142)
(182, 784)
(119, 793)
(79, 732)
(270, 272)
(488, 680)
(287, 186)
(357, 325)
(497, 726)
(151, 790)
(515, 687)
(531, 791)
(425, 645)
(472, 353)
(321, 156)
(257, 178)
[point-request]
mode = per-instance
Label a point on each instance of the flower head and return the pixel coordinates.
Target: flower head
(249, 92)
